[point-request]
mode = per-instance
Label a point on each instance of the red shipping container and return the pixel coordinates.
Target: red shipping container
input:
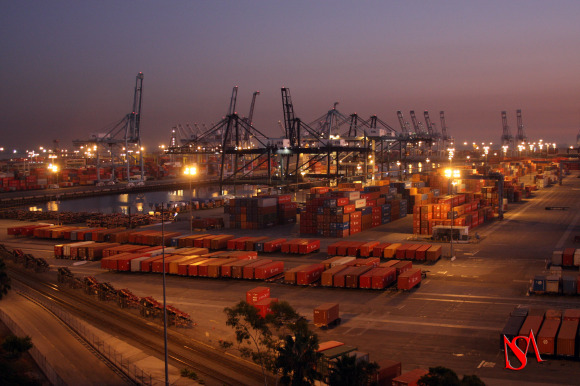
(264, 306)
(354, 248)
(339, 278)
(572, 314)
(232, 243)
(568, 257)
(274, 245)
(367, 248)
(309, 275)
(383, 277)
(409, 378)
(182, 268)
(267, 271)
(402, 251)
(365, 280)
(193, 268)
(410, 252)
(378, 249)
(227, 269)
(309, 246)
(332, 248)
(567, 338)
(249, 270)
(546, 338)
(256, 294)
(409, 279)
(421, 252)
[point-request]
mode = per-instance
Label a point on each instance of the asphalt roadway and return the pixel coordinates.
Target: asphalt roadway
(453, 319)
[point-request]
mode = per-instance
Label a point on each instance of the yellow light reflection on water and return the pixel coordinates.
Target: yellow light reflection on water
(139, 206)
(52, 206)
(124, 197)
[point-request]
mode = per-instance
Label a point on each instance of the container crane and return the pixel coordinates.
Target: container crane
(521, 136)
(506, 138)
(402, 122)
(444, 134)
(416, 124)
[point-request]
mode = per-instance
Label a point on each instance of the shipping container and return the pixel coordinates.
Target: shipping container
(183, 267)
(326, 314)
(256, 294)
(249, 269)
(366, 249)
(546, 338)
(309, 274)
(214, 269)
(566, 344)
(571, 314)
(568, 257)
(274, 245)
(434, 253)
(383, 277)
(421, 252)
(327, 277)
(557, 257)
(264, 306)
(391, 250)
(511, 329)
(403, 266)
(553, 284)
(352, 278)
(267, 271)
(409, 279)
(323, 346)
(290, 275)
(379, 250)
(532, 323)
(388, 370)
(193, 269)
(409, 378)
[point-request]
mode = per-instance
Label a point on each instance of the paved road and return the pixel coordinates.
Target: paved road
(454, 319)
(71, 360)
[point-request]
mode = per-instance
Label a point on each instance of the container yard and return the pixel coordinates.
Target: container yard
(393, 266)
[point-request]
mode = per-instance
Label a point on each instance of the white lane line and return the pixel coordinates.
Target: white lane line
(444, 325)
(568, 231)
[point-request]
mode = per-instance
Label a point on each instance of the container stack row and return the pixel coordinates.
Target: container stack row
(260, 212)
(417, 251)
(349, 209)
(555, 331)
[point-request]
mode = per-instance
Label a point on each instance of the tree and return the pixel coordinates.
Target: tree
(442, 376)
(16, 346)
(4, 279)
(347, 371)
(297, 356)
(281, 343)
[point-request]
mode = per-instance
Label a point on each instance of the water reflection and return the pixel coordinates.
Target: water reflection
(140, 202)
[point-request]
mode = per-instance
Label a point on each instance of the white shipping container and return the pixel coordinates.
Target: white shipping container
(351, 195)
(267, 202)
(344, 260)
(360, 203)
(577, 258)
(66, 248)
(136, 263)
(553, 284)
(557, 257)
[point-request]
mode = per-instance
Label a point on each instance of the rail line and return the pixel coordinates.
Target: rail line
(213, 366)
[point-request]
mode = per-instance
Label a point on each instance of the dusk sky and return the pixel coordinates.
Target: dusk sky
(68, 68)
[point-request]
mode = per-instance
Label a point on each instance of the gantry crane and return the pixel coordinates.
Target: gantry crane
(521, 136)
(126, 133)
(506, 137)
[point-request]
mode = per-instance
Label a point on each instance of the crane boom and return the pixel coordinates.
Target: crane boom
(415, 122)
(428, 122)
(506, 137)
(233, 100)
(251, 114)
(401, 121)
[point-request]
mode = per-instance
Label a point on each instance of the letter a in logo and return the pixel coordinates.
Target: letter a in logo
(521, 355)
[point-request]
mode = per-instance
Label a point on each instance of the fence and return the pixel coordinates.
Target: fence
(134, 372)
(40, 359)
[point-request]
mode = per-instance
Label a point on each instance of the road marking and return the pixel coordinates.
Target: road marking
(486, 364)
(430, 324)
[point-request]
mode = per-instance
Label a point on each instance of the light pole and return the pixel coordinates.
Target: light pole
(452, 175)
(190, 171)
(54, 168)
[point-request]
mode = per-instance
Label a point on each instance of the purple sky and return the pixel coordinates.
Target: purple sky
(68, 68)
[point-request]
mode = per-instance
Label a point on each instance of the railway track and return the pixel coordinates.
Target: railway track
(211, 365)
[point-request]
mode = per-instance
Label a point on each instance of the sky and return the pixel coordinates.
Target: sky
(68, 68)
